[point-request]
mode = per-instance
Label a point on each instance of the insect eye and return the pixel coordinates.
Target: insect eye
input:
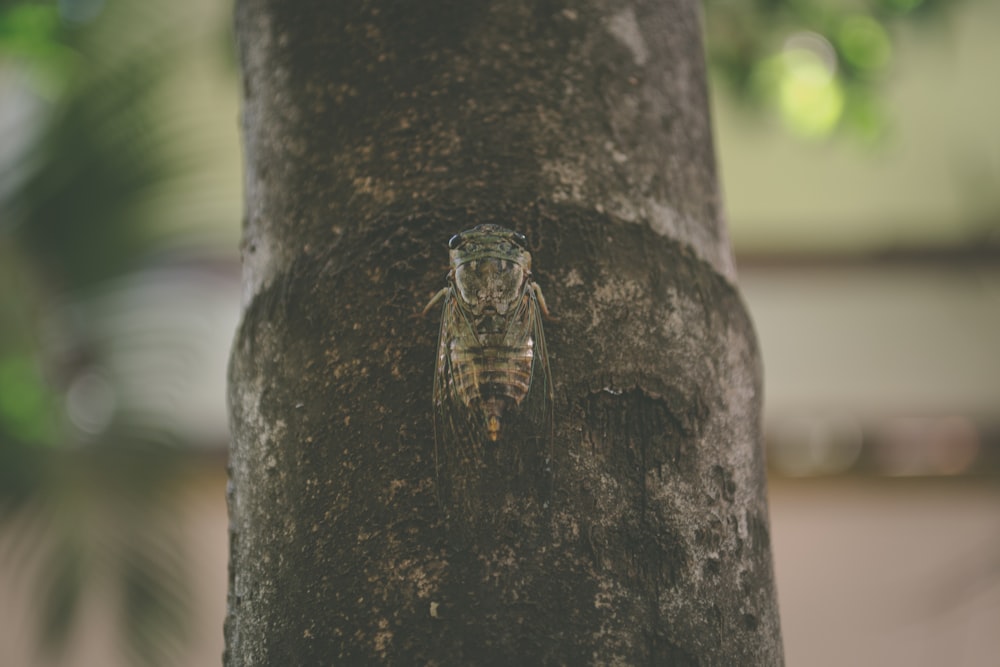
(521, 240)
(455, 241)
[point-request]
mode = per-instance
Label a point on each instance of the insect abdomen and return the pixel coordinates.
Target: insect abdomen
(491, 379)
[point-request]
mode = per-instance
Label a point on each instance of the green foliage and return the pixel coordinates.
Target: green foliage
(27, 405)
(819, 65)
(85, 184)
(32, 34)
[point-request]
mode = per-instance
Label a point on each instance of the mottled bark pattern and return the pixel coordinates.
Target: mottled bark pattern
(374, 131)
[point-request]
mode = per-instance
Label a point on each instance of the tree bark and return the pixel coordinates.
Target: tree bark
(376, 130)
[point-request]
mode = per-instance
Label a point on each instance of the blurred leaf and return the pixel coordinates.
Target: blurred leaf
(80, 209)
(61, 582)
(83, 365)
(101, 514)
(863, 43)
(27, 410)
(89, 186)
(22, 474)
(155, 597)
(31, 33)
(747, 41)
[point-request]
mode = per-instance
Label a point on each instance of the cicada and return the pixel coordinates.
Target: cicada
(492, 384)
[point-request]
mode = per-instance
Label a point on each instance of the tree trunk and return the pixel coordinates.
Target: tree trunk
(376, 130)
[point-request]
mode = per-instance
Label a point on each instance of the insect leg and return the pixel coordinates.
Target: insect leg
(541, 300)
(437, 297)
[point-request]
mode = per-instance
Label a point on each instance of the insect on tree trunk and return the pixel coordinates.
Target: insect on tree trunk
(374, 131)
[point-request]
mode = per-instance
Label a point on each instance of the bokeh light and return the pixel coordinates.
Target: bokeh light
(802, 82)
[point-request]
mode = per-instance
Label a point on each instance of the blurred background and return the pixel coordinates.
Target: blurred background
(860, 157)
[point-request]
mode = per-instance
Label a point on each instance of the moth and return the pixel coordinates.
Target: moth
(492, 383)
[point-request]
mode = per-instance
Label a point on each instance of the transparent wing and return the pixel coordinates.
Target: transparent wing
(455, 432)
(531, 423)
(541, 397)
(473, 472)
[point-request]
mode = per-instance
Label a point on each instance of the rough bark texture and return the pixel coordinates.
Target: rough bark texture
(374, 131)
